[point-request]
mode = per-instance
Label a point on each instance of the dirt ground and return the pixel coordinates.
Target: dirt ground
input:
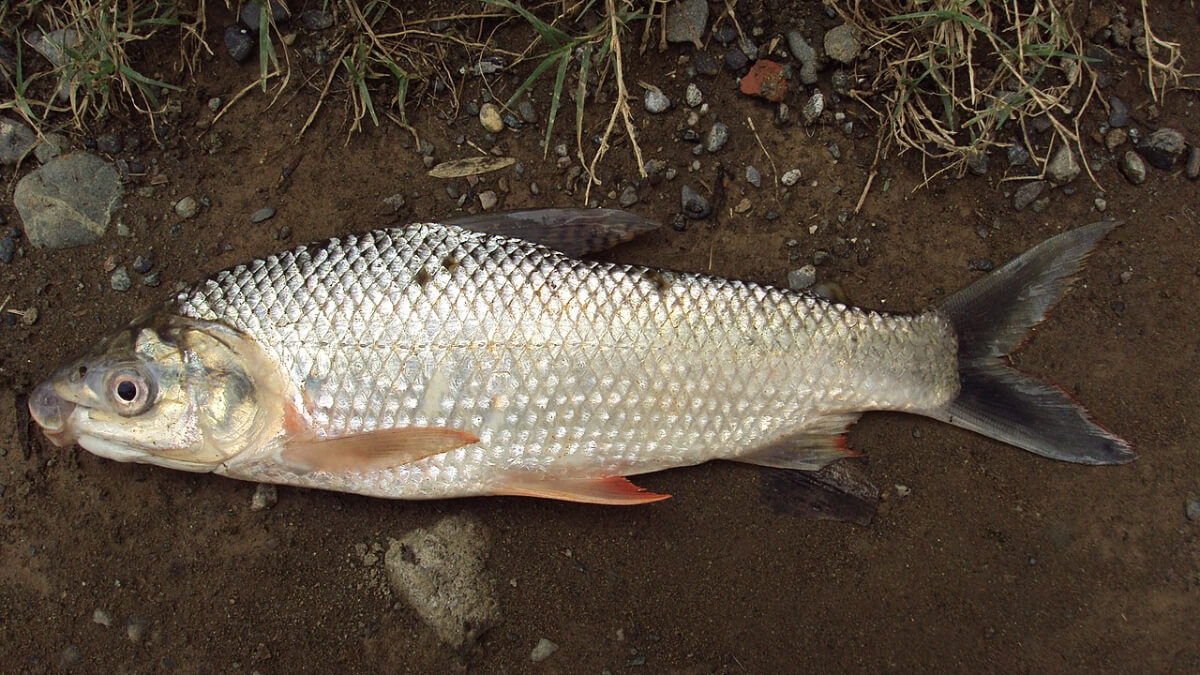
(995, 560)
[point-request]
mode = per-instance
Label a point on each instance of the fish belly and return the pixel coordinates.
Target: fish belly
(562, 368)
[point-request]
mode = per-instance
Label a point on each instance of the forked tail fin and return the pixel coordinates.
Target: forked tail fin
(991, 318)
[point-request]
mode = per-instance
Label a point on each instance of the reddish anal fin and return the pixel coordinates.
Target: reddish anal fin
(614, 490)
(373, 450)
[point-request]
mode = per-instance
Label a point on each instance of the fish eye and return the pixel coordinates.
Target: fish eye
(131, 391)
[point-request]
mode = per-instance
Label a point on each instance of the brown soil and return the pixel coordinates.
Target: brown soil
(996, 561)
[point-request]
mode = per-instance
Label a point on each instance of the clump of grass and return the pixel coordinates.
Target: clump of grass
(85, 68)
(956, 72)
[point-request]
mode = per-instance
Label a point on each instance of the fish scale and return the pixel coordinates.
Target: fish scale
(561, 367)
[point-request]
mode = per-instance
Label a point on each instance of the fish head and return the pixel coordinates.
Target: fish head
(167, 390)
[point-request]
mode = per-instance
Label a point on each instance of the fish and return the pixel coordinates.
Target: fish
(489, 356)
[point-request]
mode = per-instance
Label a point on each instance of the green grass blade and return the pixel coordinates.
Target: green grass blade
(537, 72)
(553, 36)
(556, 99)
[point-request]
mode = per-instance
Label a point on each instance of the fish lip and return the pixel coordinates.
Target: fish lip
(51, 412)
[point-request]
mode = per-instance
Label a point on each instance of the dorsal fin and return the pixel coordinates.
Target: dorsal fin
(576, 232)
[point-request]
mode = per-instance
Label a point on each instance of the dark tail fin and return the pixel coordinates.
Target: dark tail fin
(992, 317)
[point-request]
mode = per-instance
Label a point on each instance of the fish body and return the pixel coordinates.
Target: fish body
(436, 361)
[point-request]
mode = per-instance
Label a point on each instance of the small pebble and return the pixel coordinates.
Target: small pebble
(1193, 163)
(239, 42)
(1063, 167)
(716, 138)
(527, 113)
(694, 206)
(265, 496)
(143, 264)
(1115, 138)
(1193, 510)
(1100, 203)
(656, 102)
(902, 490)
(1133, 168)
(791, 177)
(187, 207)
(736, 61)
(214, 103)
(629, 197)
(813, 108)
(109, 143)
(753, 177)
(8, 248)
(834, 150)
(1017, 154)
(152, 280)
(265, 213)
(135, 630)
(802, 278)
(977, 163)
(1162, 148)
(1027, 193)
(102, 617)
(1118, 113)
(315, 19)
(726, 34)
(693, 96)
(487, 200)
(743, 205)
(490, 118)
(542, 651)
(120, 280)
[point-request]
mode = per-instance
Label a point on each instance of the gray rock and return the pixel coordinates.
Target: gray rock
(51, 146)
(1193, 163)
(694, 206)
(120, 280)
(1100, 203)
(629, 197)
(736, 61)
(315, 19)
(143, 264)
(1115, 138)
(251, 13)
(440, 573)
(1063, 167)
(1162, 148)
(526, 111)
(694, 96)
(1017, 154)
(753, 177)
(783, 114)
(265, 496)
(716, 138)
(835, 151)
(656, 102)
(69, 201)
(263, 214)
(1027, 193)
(239, 42)
(800, 279)
(109, 143)
(16, 140)
(977, 163)
(542, 650)
(706, 65)
(813, 108)
(1133, 168)
(187, 207)
(805, 55)
(686, 21)
(725, 35)
(488, 200)
(1192, 510)
(8, 248)
(841, 43)
(748, 48)
(152, 280)
(1118, 112)
(102, 618)
(790, 177)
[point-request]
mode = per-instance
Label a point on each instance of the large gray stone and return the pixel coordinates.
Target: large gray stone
(16, 140)
(69, 201)
(841, 43)
(686, 21)
(440, 572)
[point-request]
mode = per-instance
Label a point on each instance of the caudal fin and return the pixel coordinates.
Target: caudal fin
(992, 317)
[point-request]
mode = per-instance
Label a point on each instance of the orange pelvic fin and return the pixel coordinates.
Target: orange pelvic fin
(614, 490)
(373, 450)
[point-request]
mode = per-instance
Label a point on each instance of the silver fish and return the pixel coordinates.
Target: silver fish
(440, 361)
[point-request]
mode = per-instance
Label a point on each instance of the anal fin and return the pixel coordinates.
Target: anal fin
(613, 490)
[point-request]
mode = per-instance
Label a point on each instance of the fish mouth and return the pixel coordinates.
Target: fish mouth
(51, 413)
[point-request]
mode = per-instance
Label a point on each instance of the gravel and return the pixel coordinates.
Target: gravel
(1193, 163)
(187, 207)
(1118, 113)
(629, 197)
(813, 108)
(542, 650)
(1027, 193)
(120, 280)
(1063, 167)
(694, 206)
(265, 496)
(1163, 148)
(239, 42)
(805, 54)
(1133, 168)
(791, 177)
(1017, 154)
(490, 118)
(1192, 510)
(693, 96)
(315, 19)
(8, 248)
(841, 44)
(656, 102)
(802, 278)
(488, 200)
(16, 140)
(753, 176)
(263, 214)
(716, 138)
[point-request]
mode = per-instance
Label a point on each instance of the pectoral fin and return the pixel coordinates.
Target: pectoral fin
(372, 450)
(614, 490)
